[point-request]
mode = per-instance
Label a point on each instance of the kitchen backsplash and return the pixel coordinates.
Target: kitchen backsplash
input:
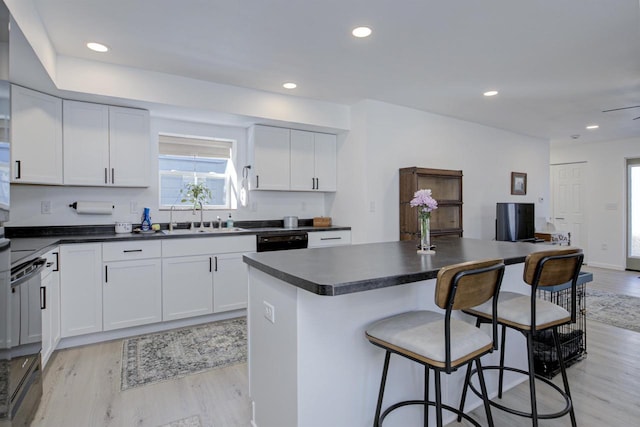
(27, 206)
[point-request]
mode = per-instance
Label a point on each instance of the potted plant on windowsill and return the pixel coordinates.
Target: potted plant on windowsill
(197, 195)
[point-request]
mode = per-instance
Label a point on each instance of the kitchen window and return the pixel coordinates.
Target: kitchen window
(183, 160)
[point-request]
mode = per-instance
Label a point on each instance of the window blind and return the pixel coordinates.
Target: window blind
(194, 147)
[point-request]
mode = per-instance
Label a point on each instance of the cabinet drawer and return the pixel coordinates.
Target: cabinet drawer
(208, 245)
(329, 238)
(119, 251)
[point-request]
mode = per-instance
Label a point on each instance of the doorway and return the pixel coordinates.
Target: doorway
(568, 190)
(633, 214)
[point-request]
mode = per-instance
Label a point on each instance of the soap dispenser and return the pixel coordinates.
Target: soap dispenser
(229, 222)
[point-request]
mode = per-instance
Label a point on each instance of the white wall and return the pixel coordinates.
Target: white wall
(26, 199)
(385, 137)
(606, 188)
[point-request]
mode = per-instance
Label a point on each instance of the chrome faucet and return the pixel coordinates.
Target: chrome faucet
(171, 224)
(201, 217)
(219, 221)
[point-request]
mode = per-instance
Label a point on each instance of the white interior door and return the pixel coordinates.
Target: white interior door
(568, 197)
(633, 216)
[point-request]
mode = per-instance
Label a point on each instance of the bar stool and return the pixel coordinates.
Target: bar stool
(439, 342)
(528, 315)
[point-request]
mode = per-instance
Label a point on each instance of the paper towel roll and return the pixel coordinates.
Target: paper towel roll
(93, 208)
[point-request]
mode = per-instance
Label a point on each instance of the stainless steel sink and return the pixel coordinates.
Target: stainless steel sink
(183, 231)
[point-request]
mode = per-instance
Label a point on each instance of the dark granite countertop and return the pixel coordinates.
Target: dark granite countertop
(354, 268)
(29, 242)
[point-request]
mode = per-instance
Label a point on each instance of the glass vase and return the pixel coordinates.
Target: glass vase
(425, 234)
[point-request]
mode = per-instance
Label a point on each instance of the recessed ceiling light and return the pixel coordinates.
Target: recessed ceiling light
(289, 85)
(591, 127)
(97, 47)
(361, 32)
(490, 93)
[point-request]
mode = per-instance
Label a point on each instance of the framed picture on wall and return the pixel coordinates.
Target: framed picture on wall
(518, 183)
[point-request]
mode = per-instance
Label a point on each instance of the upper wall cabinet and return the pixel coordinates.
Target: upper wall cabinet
(105, 145)
(313, 161)
(271, 157)
(36, 137)
(292, 160)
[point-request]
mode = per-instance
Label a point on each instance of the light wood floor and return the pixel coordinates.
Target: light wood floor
(82, 385)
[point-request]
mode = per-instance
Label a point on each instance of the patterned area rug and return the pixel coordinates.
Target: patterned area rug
(618, 310)
(174, 354)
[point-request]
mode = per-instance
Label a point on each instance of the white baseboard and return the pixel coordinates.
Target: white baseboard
(607, 266)
(145, 329)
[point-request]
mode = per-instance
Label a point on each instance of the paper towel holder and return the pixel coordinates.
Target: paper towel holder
(75, 206)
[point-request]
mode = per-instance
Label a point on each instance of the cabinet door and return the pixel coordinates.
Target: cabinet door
(50, 316)
(132, 293)
(325, 161)
(86, 143)
(129, 141)
(230, 282)
(187, 287)
(80, 289)
(271, 158)
(302, 161)
(36, 137)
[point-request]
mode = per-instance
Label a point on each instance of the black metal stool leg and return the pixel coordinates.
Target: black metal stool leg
(532, 379)
(465, 388)
(485, 394)
(426, 396)
(376, 421)
(438, 399)
(501, 372)
(563, 370)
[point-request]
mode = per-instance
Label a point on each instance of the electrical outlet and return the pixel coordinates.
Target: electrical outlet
(45, 207)
(269, 312)
(372, 206)
(133, 207)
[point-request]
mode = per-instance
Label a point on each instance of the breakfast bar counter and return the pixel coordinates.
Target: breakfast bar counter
(309, 361)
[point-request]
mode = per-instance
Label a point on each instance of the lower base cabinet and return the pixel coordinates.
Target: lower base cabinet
(51, 311)
(186, 287)
(80, 289)
(131, 293)
(230, 283)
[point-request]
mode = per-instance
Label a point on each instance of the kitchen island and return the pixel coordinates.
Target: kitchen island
(310, 364)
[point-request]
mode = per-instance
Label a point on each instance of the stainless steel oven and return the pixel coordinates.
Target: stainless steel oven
(21, 302)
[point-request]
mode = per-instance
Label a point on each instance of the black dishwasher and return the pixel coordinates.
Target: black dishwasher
(282, 241)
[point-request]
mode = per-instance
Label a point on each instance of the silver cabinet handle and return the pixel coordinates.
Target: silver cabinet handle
(331, 238)
(105, 176)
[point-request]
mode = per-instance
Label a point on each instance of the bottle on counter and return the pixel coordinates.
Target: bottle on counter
(229, 222)
(146, 220)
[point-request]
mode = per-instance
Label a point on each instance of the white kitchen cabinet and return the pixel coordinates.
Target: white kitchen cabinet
(313, 161)
(230, 282)
(50, 277)
(187, 287)
(271, 156)
(129, 153)
(36, 137)
(319, 239)
(303, 177)
(132, 293)
(325, 154)
(80, 288)
(86, 143)
(205, 275)
(105, 145)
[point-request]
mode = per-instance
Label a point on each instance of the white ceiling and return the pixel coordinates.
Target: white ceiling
(557, 64)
